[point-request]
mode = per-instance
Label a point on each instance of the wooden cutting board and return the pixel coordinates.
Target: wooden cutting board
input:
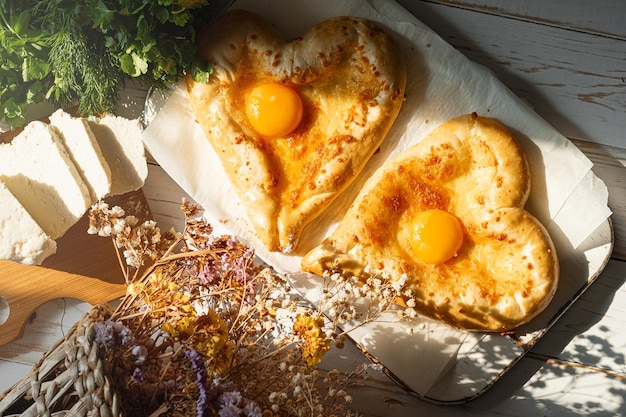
(85, 267)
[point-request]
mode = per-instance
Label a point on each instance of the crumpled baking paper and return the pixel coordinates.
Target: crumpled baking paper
(442, 84)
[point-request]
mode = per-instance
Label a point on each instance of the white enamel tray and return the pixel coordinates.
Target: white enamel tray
(436, 362)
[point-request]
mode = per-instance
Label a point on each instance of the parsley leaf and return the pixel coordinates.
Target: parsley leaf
(83, 51)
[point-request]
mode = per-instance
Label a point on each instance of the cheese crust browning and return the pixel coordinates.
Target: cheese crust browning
(351, 78)
(506, 271)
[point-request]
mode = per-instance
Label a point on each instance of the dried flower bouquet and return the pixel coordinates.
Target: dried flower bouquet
(204, 330)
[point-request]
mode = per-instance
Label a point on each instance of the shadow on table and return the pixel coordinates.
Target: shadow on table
(565, 354)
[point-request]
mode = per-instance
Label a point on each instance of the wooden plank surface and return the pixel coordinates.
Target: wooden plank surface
(566, 58)
(586, 346)
(576, 81)
(603, 17)
(571, 371)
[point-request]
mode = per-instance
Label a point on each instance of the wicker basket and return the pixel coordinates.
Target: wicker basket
(70, 379)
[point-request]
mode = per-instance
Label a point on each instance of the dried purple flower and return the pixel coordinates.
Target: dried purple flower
(209, 274)
(110, 334)
(138, 376)
(169, 355)
(141, 353)
(233, 404)
(197, 364)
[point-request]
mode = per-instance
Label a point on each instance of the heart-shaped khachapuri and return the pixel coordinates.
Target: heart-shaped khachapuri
(447, 216)
(294, 122)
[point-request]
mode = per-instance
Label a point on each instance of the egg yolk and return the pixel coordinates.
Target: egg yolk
(274, 109)
(437, 236)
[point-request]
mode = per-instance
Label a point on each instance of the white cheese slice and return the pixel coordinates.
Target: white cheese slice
(37, 169)
(21, 238)
(85, 152)
(121, 142)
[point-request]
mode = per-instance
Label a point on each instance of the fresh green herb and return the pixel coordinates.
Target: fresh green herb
(83, 51)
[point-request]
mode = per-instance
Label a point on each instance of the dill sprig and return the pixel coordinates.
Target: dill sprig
(83, 51)
(92, 73)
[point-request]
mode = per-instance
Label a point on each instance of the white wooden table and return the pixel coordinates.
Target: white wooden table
(567, 59)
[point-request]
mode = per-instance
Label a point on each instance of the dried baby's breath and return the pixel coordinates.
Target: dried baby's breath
(207, 330)
(139, 243)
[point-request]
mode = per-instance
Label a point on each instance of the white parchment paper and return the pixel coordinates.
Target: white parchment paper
(442, 84)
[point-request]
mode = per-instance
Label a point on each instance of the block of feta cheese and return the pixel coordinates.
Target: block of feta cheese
(21, 238)
(121, 142)
(85, 152)
(39, 172)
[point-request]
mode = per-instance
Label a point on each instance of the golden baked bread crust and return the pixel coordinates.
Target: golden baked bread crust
(506, 270)
(351, 77)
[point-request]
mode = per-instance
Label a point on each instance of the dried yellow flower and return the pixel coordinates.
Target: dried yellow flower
(211, 340)
(205, 325)
(311, 333)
